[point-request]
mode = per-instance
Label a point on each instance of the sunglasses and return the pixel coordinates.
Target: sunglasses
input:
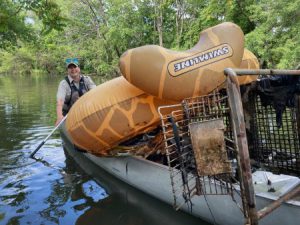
(72, 60)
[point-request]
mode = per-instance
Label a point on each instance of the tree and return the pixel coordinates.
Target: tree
(275, 39)
(16, 24)
(99, 31)
(12, 25)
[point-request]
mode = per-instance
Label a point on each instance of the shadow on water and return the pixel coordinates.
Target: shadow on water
(53, 189)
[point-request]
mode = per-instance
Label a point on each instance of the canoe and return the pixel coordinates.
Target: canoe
(155, 80)
(154, 179)
(133, 204)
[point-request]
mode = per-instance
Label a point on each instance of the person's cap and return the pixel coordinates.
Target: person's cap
(71, 61)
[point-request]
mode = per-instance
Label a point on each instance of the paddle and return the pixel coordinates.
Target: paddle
(49, 135)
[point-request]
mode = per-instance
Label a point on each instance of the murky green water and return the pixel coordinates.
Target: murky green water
(54, 190)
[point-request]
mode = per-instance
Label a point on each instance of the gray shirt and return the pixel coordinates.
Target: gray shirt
(64, 89)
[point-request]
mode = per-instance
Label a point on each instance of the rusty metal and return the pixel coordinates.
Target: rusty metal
(208, 144)
(185, 179)
(189, 176)
(275, 204)
(241, 72)
(297, 114)
(209, 109)
(237, 116)
(273, 147)
(236, 109)
(183, 183)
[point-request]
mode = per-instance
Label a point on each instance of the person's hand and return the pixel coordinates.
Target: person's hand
(59, 118)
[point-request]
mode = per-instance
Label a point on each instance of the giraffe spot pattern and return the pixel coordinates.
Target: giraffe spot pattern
(126, 106)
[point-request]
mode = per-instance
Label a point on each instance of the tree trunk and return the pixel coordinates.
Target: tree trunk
(158, 8)
(179, 20)
(100, 21)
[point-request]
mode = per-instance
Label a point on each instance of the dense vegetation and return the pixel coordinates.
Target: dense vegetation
(37, 35)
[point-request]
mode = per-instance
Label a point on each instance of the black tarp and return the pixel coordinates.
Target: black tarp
(278, 91)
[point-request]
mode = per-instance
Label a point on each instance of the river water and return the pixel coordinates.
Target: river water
(53, 189)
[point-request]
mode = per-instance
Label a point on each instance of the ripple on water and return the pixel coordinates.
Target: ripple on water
(94, 191)
(51, 189)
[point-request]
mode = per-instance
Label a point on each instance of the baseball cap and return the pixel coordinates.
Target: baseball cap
(73, 61)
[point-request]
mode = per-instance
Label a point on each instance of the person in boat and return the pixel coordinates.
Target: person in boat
(73, 86)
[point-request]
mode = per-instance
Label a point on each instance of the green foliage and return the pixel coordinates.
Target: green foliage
(99, 31)
(12, 26)
(16, 22)
(275, 39)
(48, 11)
(21, 62)
(240, 14)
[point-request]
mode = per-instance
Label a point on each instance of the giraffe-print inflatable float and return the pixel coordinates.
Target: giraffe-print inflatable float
(125, 107)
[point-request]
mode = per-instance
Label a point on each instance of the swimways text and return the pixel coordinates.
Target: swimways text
(200, 59)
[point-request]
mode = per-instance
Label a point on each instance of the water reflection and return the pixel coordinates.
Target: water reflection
(124, 204)
(53, 189)
(26, 115)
